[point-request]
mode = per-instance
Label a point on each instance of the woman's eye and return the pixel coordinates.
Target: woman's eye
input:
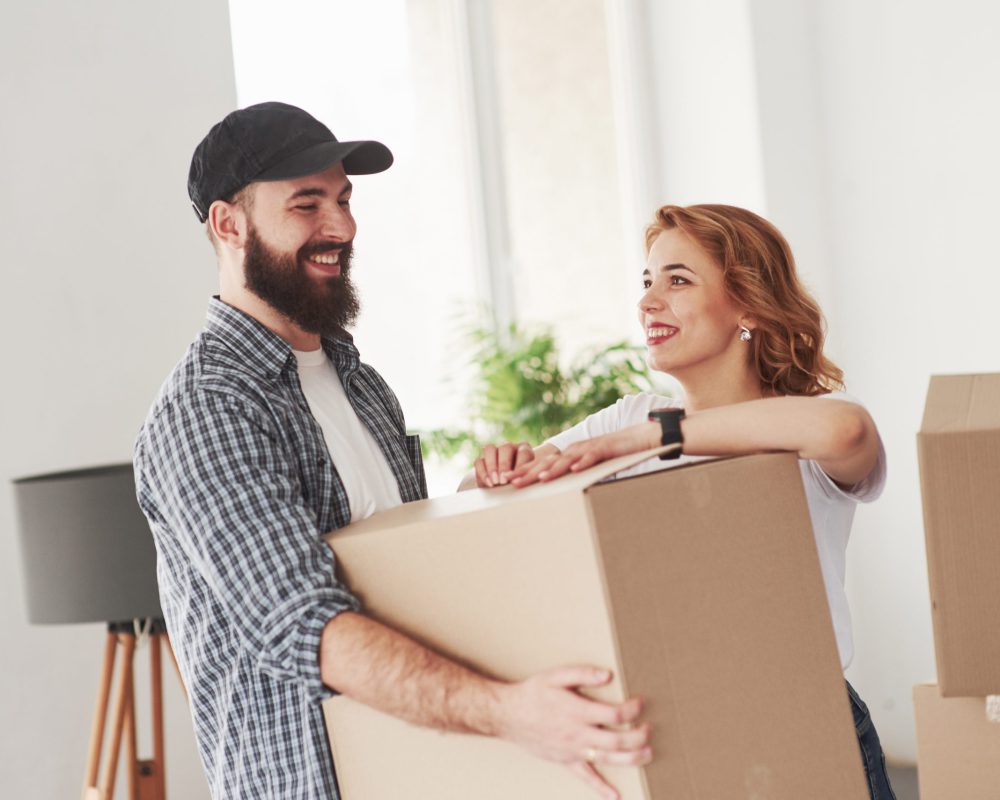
(677, 280)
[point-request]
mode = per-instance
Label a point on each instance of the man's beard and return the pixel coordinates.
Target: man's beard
(325, 306)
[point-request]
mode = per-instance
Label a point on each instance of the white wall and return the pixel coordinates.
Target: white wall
(106, 278)
(880, 124)
(704, 92)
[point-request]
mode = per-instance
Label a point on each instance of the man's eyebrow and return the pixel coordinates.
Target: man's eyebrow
(318, 191)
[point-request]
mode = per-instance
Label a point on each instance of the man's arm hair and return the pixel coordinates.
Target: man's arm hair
(380, 667)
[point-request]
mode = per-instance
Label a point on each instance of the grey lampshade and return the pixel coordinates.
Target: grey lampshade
(86, 549)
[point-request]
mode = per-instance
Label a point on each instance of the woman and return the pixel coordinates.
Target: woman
(725, 315)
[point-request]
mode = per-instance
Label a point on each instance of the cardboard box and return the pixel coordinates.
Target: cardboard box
(958, 747)
(959, 453)
(699, 586)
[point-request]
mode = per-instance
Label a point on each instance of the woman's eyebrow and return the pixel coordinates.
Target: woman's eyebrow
(670, 267)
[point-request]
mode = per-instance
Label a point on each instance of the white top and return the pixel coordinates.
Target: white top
(362, 467)
(831, 508)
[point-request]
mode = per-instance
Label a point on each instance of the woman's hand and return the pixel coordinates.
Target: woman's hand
(579, 456)
(498, 460)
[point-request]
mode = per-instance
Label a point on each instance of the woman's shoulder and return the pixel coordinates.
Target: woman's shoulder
(840, 395)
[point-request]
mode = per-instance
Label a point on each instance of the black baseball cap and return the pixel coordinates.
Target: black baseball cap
(271, 142)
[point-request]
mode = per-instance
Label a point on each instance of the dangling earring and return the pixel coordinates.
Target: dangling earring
(745, 335)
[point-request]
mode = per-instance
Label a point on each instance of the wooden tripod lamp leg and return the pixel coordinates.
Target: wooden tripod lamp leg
(122, 691)
(131, 771)
(100, 715)
(146, 778)
(177, 667)
(152, 772)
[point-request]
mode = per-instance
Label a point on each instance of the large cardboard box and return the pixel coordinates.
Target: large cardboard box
(958, 747)
(699, 586)
(959, 452)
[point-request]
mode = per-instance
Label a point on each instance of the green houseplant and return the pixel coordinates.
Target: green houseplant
(522, 392)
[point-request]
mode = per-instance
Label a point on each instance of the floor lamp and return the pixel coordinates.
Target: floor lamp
(88, 556)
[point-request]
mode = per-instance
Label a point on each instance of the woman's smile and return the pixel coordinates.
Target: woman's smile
(657, 333)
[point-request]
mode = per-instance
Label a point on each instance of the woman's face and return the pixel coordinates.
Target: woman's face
(691, 325)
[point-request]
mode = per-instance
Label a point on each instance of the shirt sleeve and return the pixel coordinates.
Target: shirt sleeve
(214, 473)
(869, 488)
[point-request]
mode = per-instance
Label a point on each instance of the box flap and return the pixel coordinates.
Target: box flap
(475, 500)
(957, 403)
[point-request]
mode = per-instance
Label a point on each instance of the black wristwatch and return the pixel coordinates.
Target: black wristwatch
(670, 430)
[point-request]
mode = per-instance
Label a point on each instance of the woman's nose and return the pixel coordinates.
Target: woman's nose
(649, 301)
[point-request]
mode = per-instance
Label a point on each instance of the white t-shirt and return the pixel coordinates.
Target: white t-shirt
(831, 508)
(362, 467)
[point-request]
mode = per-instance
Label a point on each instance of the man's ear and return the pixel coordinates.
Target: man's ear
(229, 224)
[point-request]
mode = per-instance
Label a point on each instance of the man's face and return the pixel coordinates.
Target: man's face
(298, 250)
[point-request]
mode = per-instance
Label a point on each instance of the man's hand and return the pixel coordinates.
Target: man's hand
(548, 717)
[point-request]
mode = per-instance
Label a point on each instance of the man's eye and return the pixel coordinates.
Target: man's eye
(345, 202)
(646, 283)
(306, 207)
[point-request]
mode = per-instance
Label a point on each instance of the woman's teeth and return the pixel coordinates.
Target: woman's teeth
(658, 333)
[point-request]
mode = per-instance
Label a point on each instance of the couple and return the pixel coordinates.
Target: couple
(271, 432)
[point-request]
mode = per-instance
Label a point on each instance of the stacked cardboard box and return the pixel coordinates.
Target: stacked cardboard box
(698, 586)
(958, 746)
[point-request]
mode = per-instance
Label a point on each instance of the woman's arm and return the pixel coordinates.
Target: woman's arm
(839, 435)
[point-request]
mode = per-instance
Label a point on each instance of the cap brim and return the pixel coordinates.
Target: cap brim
(360, 158)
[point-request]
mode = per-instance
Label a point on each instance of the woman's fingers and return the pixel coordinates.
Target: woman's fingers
(510, 456)
(529, 473)
(482, 474)
(585, 461)
(490, 462)
(498, 463)
(525, 454)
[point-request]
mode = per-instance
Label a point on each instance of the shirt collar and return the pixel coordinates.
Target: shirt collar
(260, 349)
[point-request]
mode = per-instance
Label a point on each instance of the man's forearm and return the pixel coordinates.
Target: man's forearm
(382, 668)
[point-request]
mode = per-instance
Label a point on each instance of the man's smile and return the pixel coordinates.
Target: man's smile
(326, 263)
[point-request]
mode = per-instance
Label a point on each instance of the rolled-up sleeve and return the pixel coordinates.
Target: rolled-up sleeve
(216, 476)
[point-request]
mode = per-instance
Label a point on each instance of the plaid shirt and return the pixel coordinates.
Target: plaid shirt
(233, 473)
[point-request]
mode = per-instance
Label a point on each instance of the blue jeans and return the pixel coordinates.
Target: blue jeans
(872, 756)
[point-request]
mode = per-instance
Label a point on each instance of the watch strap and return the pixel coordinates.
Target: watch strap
(670, 431)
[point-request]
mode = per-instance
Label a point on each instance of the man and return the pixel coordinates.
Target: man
(271, 432)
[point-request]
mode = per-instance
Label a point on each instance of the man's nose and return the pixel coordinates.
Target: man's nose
(338, 224)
